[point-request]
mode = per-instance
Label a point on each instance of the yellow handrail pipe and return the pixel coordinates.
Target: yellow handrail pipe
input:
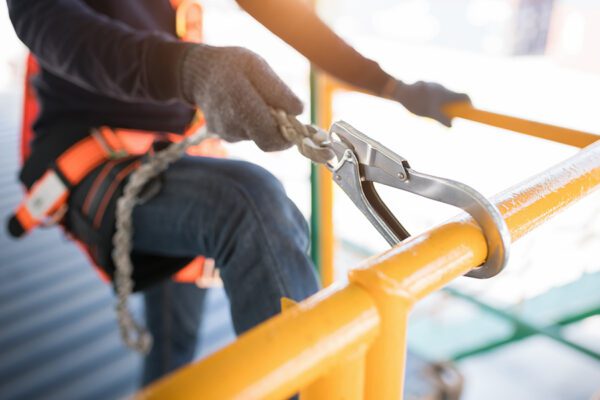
(554, 133)
(282, 355)
(366, 318)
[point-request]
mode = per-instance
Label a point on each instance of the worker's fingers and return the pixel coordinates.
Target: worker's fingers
(236, 90)
(223, 112)
(449, 98)
(442, 119)
(259, 124)
(428, 99)
(271, 88)
(230, 132)
(454, 97)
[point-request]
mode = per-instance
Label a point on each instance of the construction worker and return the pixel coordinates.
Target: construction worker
(118, 64)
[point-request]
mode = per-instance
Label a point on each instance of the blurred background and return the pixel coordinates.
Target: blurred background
(537, 59)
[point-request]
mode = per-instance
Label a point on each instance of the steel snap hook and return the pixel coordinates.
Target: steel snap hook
(362, 162)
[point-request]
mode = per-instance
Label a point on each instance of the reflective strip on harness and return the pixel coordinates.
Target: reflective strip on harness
(46, 197)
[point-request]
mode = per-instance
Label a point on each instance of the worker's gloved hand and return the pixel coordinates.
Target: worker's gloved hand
(427, 99)
(236, 90)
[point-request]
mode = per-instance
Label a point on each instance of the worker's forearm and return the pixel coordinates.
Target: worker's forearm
(297, 24)
(72, 41)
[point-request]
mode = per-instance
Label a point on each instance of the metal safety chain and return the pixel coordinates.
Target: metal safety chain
(135, 335)
(309, 142)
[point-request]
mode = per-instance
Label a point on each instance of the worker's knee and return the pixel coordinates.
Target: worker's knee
(264, 198)
(258, 184)
(257, 187)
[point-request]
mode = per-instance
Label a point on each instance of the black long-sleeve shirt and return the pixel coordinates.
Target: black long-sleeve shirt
(103, 62)
(117, 63)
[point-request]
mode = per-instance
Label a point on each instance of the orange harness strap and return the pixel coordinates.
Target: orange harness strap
(47, 199)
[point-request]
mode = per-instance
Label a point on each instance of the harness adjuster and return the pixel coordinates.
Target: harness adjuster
(44, 204)
(112, 145)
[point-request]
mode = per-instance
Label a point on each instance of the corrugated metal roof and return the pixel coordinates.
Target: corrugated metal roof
(58, 333)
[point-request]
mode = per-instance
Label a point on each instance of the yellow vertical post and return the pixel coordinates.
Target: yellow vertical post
(325, 91)
(345, 381)
(385, 362)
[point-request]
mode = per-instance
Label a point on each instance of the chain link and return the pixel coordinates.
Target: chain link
(311, 141)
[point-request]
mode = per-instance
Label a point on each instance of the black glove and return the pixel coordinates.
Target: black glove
(236, 90)
(427, 99)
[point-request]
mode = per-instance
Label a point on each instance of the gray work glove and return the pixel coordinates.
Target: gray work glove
(236, 90)
(427, 99)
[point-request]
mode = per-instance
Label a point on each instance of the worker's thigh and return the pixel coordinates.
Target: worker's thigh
(238, 214)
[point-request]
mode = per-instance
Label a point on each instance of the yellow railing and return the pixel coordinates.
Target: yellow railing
(554, 133)
(349, 341)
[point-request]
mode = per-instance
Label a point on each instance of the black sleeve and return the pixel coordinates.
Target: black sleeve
(297, 24)
(102, 55)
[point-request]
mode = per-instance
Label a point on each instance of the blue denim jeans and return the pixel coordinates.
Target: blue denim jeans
(238, 214)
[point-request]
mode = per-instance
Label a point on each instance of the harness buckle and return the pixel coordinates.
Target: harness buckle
(361, 162)
(110, 142)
